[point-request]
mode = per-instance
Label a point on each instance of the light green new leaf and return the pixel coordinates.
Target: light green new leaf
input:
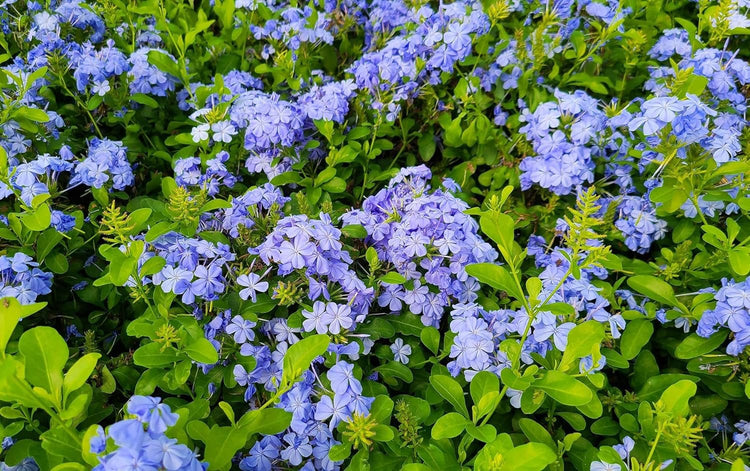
(38, 219)
(301, 354)
(564, 389)
(79, 373)
(483, 383)
(45, 354)
(11, 311)
(267, 421)
(675, 398)
(655, 288)
(583, 340)
(496, 277)
(202, 351)
(528, 457)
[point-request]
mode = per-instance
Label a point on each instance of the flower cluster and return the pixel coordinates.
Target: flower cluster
(441, 38)
(732, 311)
(312, 248)
(269, 122)
(21, 278)
(106, 161)
(194, 267)
(34, 178)
(254, 205)
(296, 27)
(328, 102)
(188, 173)
(141, 441)
(636, 219)
(147, 78)
(565, 135)
(426, 237)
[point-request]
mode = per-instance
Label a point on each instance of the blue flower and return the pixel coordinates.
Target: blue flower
(401, 351)
(241, 329)
(298, 448)
(252, 285)
(341, 376)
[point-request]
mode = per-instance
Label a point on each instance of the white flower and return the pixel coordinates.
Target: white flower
(200, 133)
(101, 88)
(223, 131)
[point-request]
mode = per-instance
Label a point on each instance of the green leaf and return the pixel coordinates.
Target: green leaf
(694, 345)
(483, 383)
(675, 398)
(158, 229)
(528, 457)
(121, 268)
(576, 420)
(449, 425)
(202, 351)
(430, 337)
(605, 426)
(739, 260)
(221, 442)
(152, 265)
(355, 230)
(267, 421)
(383, 433)
(499, 227)
(15, 390)
(484, 433)
(108, 381)
(152, 355)
(636, 335)
(144, 99)
(11, 311)
(69, 467)
(163, 62)
(426, 146)
(407, 324)
(583, 340)
(535, 432)
(79, 372)
(654, 288)
(46, 241)
(38, 219)
(564, 389)
(64, 442)
(301, 354)
(393, 278)
(451, 391)
(335, 185)
(656, 385)
(394, 369)
(45, 354)
(382, 408)
(32, 114)
(340, 452)
(496, 277)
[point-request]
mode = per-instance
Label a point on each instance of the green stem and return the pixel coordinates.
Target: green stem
(653, 447)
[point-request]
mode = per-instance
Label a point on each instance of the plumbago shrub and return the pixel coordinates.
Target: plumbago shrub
(374, 234)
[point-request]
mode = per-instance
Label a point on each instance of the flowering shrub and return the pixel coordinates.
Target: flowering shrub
(364, 235)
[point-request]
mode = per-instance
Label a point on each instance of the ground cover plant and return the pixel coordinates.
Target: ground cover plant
(374, 234)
